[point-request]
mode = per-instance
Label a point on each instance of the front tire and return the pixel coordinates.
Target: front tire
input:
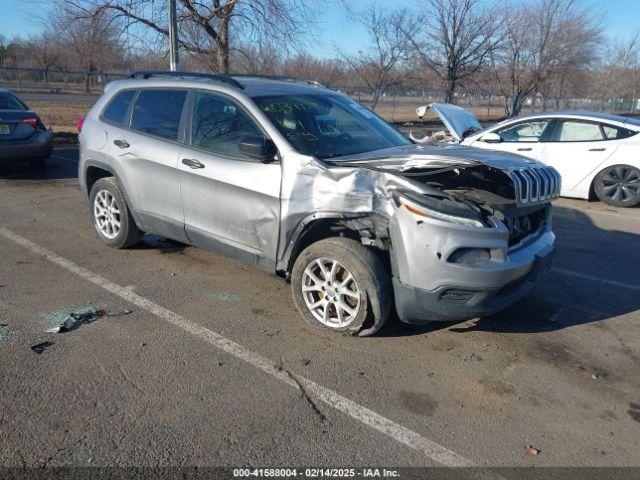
(111, 216)
(618, 186)
(339, 285)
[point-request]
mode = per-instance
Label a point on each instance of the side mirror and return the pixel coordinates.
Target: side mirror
(491, 137)
(257, 147)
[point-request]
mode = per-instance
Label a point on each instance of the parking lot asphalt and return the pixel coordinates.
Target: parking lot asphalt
(214, 366)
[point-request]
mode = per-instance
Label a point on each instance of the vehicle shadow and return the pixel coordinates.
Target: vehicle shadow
(62, 165)
(160, 244)
(574, 292)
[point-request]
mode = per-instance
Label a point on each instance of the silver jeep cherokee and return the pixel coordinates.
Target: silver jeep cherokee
(309, 185)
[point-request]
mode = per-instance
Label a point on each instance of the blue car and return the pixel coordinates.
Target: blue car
(23, 136)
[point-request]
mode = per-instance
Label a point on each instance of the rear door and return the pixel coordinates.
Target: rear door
(231, 202)
(575, 149)
(146, 153)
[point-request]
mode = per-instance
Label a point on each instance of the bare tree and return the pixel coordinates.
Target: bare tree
(454, 39)
(90, 39)
(619, 72)
(4, 49)
(210, 27)
(547, 40)
(330, 71)
(380, 67)
(43, 51)
(264, 59)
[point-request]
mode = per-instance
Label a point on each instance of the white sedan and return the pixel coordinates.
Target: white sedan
(596, 154)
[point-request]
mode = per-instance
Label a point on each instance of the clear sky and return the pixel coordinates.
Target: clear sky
(621, 20)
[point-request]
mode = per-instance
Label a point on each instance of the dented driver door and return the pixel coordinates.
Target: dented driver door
(231, 202)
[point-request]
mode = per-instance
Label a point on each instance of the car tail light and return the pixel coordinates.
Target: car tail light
(80, 123)
(30, 121)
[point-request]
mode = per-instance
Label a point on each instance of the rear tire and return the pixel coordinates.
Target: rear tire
(346, 282)
(618, 186)
(111, 216)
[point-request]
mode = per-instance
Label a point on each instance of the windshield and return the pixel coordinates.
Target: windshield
(327, 126)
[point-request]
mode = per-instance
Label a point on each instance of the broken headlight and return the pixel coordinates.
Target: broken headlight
(444, 209)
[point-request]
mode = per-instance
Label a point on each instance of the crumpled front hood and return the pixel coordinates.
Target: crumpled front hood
(433, 156)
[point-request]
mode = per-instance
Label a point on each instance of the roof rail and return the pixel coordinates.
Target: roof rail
(281, 78)
(217, 77)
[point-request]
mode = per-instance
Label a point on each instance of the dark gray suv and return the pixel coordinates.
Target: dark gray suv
(309, 185)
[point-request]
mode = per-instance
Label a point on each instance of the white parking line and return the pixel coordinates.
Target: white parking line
(428, 448)
(613, 283)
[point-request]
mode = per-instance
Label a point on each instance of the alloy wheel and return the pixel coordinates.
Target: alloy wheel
(330, 292)
(621, 184)
(107, 214)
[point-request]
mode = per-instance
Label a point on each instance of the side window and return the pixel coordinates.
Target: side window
(524, 132)
(117, 108)
(569, 131)
(157, 112)
(218, 124)
(616, 133)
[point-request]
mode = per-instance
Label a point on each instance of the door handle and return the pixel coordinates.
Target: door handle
(528, 149)
(121, 143)
(597, 149)
(192, 163)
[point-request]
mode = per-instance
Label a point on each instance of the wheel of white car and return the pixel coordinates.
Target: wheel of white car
(340, 285)
(111, 216)
(618, 186)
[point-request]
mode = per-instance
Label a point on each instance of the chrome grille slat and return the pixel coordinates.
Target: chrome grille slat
(546, 191)
(542, 193)
(526, 197)
(535, 184)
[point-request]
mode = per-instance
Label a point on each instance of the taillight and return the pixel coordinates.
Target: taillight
(30, 121)
(80, 123)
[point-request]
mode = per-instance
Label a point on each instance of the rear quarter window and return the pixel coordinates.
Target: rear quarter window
(158, 111)
(616, 133)
(10, 102)
(117, 108)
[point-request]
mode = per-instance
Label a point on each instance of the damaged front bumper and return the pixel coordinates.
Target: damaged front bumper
(434, 281)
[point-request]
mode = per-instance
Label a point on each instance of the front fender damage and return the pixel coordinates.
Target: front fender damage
(356, 198)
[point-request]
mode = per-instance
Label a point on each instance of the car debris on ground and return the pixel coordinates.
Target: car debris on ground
(529, 450)
(225, 296)
(4, 331)
(68, 321)
(41, 347)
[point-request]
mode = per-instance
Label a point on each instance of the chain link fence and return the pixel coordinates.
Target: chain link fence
(398, 106)
(40, 80)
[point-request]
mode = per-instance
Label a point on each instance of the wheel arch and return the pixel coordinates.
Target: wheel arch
(369, 229)
(94, 170)
(591, 194)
